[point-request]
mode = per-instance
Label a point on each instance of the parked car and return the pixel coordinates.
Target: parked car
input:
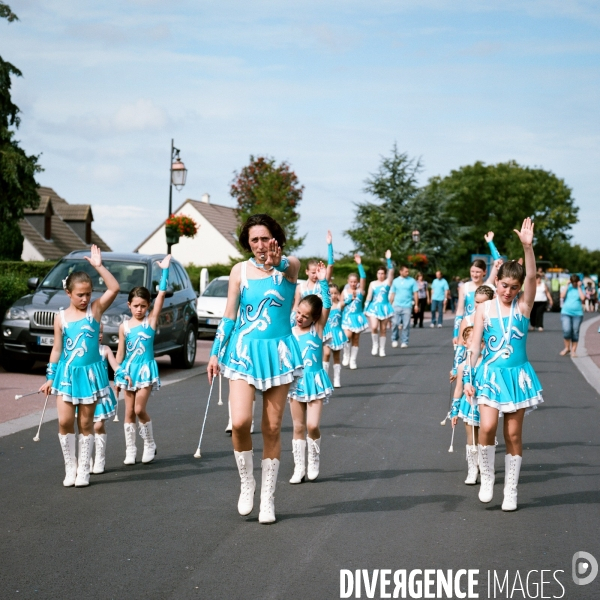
(27, 328)
(211, 305)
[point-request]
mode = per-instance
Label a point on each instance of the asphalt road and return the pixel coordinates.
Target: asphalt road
(389, 496)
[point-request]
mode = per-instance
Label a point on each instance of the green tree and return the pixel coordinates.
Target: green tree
(18, 188)
(497, 198)
(265, 187)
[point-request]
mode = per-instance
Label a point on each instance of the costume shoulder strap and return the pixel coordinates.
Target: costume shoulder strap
(88, 313)
(126, 328)
(63, 321)
(243, 276)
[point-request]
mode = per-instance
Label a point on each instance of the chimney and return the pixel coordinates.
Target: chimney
(206, 198)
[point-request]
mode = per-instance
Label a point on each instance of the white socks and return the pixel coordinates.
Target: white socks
(353, 354)
(382, 345)
(337, 369)
(245, 465)
(375, 342)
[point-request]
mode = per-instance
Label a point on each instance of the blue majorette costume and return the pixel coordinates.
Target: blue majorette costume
(380, 306)
(333, 334)
(353, 318)
(139, 363)
(107, 407)
(259, 346)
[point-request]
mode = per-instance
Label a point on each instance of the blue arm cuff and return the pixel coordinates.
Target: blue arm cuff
(361, 272)
(493, 250)
(283, 265)
(455, 407)
(457, 321)
(222, 336)
(325, 294)
(390, 264)
(162, 287)
(330, 260)
(51, 369)
(460, 352)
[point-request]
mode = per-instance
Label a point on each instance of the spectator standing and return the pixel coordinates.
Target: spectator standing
(454, 293)
(590, 297)
(403, 295)
(440, 290)
(543, 299)
(571, 314)
(422, 299)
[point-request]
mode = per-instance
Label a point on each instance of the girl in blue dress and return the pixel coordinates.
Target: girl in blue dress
(138, 371)
(379, 309)
(505, 382)
(354, 321)
(314, 388)
(76, 372)
(255, 349)
(334, 338)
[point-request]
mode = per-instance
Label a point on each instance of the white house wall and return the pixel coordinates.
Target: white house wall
(209, 247)
(29, 251)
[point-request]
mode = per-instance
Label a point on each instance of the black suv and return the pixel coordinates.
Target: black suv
(27, 329)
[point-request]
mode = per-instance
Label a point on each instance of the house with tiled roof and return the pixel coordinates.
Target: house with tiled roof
(215, 242)
(56, 228)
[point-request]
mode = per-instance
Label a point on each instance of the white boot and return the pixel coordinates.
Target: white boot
(67, 444)
(130, 448)
(326, 367)
(375, 341)
(382, 340)
(270, 468)
(472, 464)
(346, 354)
(314, 451)
(511, 480)
(229, 427)
(86, 447)
(100, 443)
(299, 452)
(149, 445)
(353, 354)
(245, 465)
(486, 470)
(337, 370)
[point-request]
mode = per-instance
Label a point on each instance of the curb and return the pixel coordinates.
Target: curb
(32, 420)
(583, 362)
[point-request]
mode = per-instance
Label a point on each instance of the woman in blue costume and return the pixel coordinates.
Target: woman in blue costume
(379, 309)
(314, 388)
(138, 371)
(334, 337)
(76, 372)
(505, 382)
(354, 321)
(255, 349)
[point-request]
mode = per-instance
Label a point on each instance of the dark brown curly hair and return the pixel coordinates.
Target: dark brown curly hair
(265, 220)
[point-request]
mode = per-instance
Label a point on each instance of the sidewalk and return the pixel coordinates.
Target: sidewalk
(588, 359)
(16, 415)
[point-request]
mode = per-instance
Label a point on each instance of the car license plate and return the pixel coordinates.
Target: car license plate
(46, 340)
(213, 321)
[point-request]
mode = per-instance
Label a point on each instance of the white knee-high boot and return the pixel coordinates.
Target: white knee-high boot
(314, 461)
(511, 480)
(86, 447)
(472, 464)
(100, 443)
(270, 468)
(149, 445)
(346, 354)
(299, 452)
(375, 342)
(130, 447)
(382, 340)
(67, 445)
(245, 465)
(487, 455)
(337, 370)
(353, 355)
(326, 367)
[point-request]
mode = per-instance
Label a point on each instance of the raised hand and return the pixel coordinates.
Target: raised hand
(321, 271)
(498, 263)
(489, 236)
(388, 254)
(96, 257)
(526, 233)
(329, 238)
(357, 259)
(165, 262)
(273, 254)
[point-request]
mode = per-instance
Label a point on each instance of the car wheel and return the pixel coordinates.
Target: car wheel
(15, 365)
(186, 357)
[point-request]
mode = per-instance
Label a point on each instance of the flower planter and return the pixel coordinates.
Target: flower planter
(172, 236)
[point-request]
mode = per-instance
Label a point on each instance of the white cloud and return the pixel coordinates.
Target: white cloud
(142, 115)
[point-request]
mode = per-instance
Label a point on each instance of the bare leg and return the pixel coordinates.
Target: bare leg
(313, 419)
(241, 397)
(141, 400)
(374, 323)
(326, 353)
(567, 348)
(488, 424)
(99, 427)
(85, 418)
(383, 327)
(469, 431)
(354, 339)
(513, 432)
(574, 349)
(66, 416)
(298, 410)
(336, 356)
(129, 406)
(274, 400)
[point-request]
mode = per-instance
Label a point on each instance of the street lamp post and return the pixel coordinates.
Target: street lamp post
(178, 175)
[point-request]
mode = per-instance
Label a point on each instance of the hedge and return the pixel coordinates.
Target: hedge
(13, 280)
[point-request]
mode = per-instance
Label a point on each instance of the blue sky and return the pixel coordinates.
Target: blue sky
(328, 86)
